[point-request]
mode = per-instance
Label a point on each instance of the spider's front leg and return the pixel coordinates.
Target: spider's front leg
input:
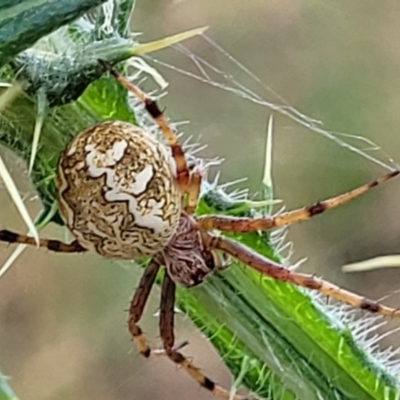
(50, 244)
(168, 339)
(182, 170)
(235, 224)
(280, 273)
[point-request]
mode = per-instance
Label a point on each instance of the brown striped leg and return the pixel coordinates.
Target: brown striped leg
(280, 273)
(193, 189)
(138, 303)
(53, 245)
(153, 109)
(168, 339)
(232, 224)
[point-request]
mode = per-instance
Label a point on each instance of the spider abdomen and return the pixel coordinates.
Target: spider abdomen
(117, 192)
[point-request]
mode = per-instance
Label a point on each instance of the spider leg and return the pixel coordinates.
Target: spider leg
(193, 189)
(235, 224)
(138, 303)
(53, 245)
(168, 338)
(153, 109)
(280, 273)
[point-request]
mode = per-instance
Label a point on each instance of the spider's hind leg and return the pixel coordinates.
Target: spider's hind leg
(280, 273)
(138, 303)
(50, 244)
(168, 338)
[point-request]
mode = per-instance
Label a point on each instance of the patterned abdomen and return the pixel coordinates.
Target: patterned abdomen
(117, 191)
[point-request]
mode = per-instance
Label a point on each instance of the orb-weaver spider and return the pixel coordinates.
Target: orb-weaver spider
(122, 195)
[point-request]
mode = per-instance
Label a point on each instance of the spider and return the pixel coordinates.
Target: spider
(125, 195)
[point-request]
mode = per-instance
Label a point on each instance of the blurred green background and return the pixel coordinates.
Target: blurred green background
(62, 318)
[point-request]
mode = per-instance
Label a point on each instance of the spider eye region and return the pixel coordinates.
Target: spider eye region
(117, 191)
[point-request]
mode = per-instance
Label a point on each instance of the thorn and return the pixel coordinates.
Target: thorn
(267, 178)
(40, 117)
(180, 346)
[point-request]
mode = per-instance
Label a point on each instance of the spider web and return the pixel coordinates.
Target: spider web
(205, 72)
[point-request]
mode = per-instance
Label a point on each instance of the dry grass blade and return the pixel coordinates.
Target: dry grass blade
(391, 261)
(5, 99)
(166, 42)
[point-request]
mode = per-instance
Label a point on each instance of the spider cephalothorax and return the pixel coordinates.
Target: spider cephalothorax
(186, 259)
(125, 195)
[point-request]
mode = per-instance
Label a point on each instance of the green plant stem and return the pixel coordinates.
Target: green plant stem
(24, 22)
(6, 393)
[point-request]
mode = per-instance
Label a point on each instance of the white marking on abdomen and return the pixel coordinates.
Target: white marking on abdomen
(153, 218)
(110, 157)
(141, 180)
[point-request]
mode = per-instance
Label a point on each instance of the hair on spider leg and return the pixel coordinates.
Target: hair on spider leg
(177, 347)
